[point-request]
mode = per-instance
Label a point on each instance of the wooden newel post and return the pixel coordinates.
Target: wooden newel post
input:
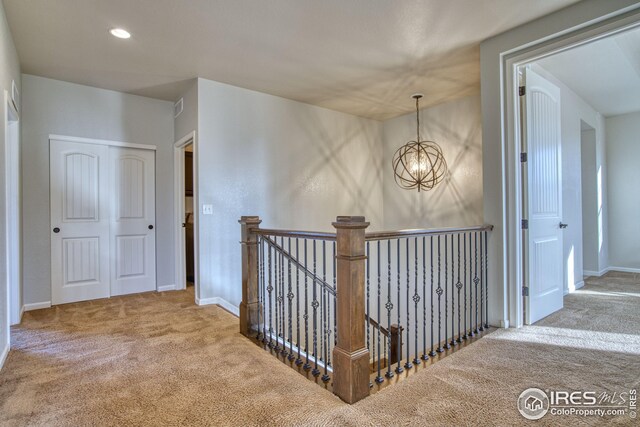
(249, 307)
(350, 355)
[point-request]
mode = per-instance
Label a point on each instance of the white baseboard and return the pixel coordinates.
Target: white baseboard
(504, 323)
(4, 354)
(166, 288)
(233, 309)
(37, 306)
(575, 287)
(624, 269)
(586, 273)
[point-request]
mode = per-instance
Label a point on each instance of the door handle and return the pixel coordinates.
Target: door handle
(563, 225)
(56, 230)
(150, 227)
(184, 225)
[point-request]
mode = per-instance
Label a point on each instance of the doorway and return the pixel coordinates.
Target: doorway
(594, 100)
(186, 213)
(12, 213)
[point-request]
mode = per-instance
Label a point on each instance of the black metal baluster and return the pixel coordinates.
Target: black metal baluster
(366, 306)
(315, 305)
(459, 287)
(306, 366)
(476, 280)
(416, 300)
(446, 293)
(399, 368)
(453, 297)
(439, 292)
(290, 296)
(389, 307)
(335, 314)
(471, 333)
(298, 343)
(264, 291)
(408, 364)
(379, 378)
(425, 356)
(486, 281)
(259, 282)
(481, 326)
(270, 290)
(325, 315)
(276, 254)
(464, 284)
(433, 352)
(283, 328)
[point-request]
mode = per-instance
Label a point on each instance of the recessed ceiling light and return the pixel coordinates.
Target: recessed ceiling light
(120, 33)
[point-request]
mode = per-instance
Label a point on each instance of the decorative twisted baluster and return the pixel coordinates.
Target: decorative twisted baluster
(486, 281)
(399, 368)
(416, 300)
(389, 307)
(270, 290)
(476, 280)
(425, 356)
(481, 326)
(439, 291)
(459, 288)
(290, 297)
(433, 352)
(446, 293)
(408, 364)
(325, 314)
(298, 342)
(314, 305)
(307, 365)
(379, 378)
(453, 297)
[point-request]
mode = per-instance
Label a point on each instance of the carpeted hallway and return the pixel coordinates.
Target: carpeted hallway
(158, 360)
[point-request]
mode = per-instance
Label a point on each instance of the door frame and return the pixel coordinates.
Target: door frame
(13, 247)
(512, 196)
(179, 193)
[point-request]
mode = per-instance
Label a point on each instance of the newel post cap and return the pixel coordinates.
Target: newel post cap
(250, 219)
(350, 222)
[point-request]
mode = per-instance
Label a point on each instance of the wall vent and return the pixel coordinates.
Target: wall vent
(177, 108)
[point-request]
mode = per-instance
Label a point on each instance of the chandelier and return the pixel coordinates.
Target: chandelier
(419, 164)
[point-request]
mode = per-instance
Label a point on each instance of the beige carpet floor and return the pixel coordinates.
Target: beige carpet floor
(158, 360)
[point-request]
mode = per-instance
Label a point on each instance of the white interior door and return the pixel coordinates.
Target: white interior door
(79, 221)
(544, 199)
(133, 243)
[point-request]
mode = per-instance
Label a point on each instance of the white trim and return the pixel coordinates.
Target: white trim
(22, 310)
(575, 287)
(178, 185)
(101, 142)
(586, 273)
(37, 305)
(3, 355)
(221, 302)
(166, 288)
(12, 201)
(512, 194)
(624, 269)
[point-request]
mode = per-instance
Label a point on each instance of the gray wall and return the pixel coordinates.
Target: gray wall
(456, 126)
(623, 152)
(9, 71)
(588, 164)
(55, 107)
(295, 165)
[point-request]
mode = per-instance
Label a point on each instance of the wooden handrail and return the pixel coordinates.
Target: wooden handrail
(376, 325)
(314, 235)
(383, 235)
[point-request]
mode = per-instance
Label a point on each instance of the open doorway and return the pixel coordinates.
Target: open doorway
(185, 162)
(12, 211)
(579, 109)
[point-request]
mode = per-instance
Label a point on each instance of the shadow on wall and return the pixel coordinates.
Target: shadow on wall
(348, 163)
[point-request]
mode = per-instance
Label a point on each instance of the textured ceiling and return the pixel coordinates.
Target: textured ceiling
(605, 73)
(363, 57)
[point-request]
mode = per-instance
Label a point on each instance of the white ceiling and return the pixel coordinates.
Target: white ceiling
(605, 73)
(363, 57)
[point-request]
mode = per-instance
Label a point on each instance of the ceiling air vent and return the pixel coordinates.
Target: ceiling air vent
(177, 108)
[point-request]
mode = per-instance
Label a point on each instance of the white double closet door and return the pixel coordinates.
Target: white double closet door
(102, 221)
